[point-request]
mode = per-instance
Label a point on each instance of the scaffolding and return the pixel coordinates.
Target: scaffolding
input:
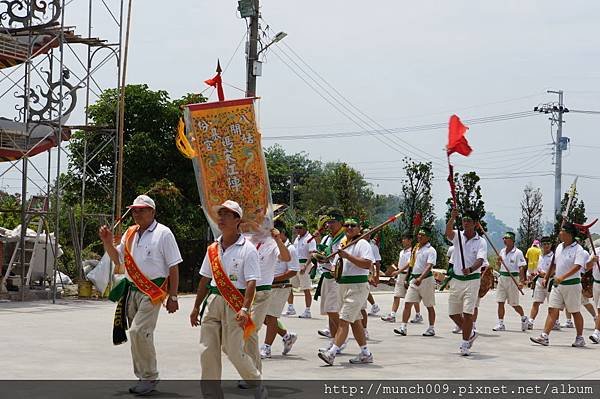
(45, 65)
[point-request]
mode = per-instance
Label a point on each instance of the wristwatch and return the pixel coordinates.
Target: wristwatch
(173, 298)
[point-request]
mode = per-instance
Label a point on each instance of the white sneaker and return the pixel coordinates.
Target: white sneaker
(530, 324)
(499, 327)
(430, 332)
(265, 352)
(342, 347)
(374, 310)
(579, 342)
(389, 317)
(327, 357)
(545, 341)
(556, 326)
(287, 344)
(290, 311)
(595, 338)
(524, 323)
(306, 314)
(362, 359)
(324, 333)
(456, 330)
(366, 334)
(569, 324)
(418, 319)
(400, 331)
(325, 349)
(464, 350)
(474, 336)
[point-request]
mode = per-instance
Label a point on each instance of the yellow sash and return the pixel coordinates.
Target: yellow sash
(155, 293)
(228, 291)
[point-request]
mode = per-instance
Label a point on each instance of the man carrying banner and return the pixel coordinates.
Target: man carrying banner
(305, 246)
(540, 293)
(507, 290)
(232, 268)
(422, 285)
(354, 289)
(569, 257)
(464, 287)
(151, 258)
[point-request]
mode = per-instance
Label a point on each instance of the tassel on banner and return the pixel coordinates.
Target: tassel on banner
(182, 143)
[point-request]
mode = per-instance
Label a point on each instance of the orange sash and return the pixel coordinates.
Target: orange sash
(228, 291)
(155, 293)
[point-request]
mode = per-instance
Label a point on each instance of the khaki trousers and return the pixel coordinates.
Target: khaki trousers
(219, 330)
(142, 315)
(260, 307)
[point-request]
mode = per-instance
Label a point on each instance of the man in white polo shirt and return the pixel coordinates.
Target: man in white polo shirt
(149, 252)
(401, 276)
(540, 293)
(226, 324)
(464, 286)
(306, 246)
(422, 284)
(281, 288)
(507, 290)
(569, 257)
(354, 289)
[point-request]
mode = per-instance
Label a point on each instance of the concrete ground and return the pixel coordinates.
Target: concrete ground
(72, 340)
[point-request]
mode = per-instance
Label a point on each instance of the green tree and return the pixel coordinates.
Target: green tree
(530, 224)
(468, 196)
(416, 194)
(576, 213)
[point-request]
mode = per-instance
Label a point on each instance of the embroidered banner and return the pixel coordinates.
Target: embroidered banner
(228, 159)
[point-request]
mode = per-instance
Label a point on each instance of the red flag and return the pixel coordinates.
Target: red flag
(217, 82)
(456, 137)
(417, 220)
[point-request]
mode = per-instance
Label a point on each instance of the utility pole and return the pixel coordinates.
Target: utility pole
(560, 144)
(252, 51)
(292, 191)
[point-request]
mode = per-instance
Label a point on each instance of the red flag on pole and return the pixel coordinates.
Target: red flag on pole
(217, 82)
(457, 141)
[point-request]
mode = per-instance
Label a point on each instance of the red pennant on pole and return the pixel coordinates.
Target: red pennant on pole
(217, 82)
(457, 142)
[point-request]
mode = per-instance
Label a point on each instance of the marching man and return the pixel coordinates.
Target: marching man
(151, 257)
(569, 257)
(354, 289)
(464, 287)
(305, 246)
(232, 268)
(540, 293)
(422, 284)
(507, 290)
(593, 263)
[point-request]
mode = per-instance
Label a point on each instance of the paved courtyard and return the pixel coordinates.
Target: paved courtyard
(72, 340)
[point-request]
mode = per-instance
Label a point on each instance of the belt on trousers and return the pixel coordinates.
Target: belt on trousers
(507, 274)
(281, 284)
(302, 260)
(468, 277)
(354, 279)
(572, 281)
(324, 275)
(215, 290)
(119, 290)
(415, 275)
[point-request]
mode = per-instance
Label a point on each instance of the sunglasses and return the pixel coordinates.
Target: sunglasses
(351, 225)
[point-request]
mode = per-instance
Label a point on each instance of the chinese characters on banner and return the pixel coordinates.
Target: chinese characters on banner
(229, 161)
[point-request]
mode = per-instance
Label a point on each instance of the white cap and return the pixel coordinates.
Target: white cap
(232, 206)
(143, 201)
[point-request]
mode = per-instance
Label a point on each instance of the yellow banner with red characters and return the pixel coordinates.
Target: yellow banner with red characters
(223, 140)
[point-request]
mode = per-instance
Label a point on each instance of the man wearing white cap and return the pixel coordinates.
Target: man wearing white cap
(149, 253)
(230, 270)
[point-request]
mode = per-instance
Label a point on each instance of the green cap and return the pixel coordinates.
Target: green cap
(351, 221)
(470, 215)
(301, 224)
(336, 214)
(426, 231)
(570, 228)
(510, 235)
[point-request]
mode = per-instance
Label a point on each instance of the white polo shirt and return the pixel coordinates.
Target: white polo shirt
(543, 265)
(404, 258)
(303, 247)
(449, 253)
(513, 260)
(566, 257)
(473, 249)
(425, 255)
(375, 250)
(268, 255)
(328, 267)
(361, 249)
(240, 262)
(595, 268)
(282, 267)
(155, 251)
